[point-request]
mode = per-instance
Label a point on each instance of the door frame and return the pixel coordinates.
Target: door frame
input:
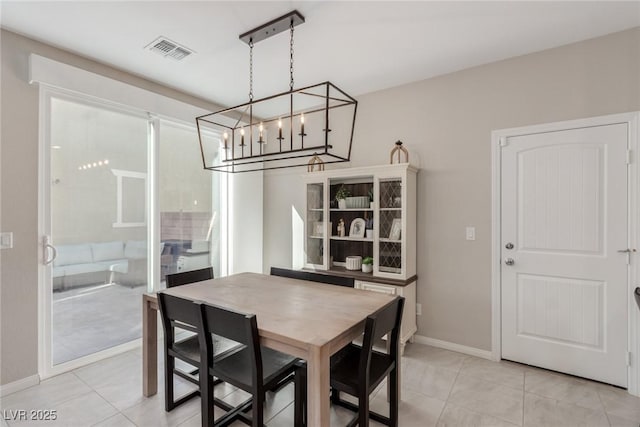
(632, 120)
(46, 369)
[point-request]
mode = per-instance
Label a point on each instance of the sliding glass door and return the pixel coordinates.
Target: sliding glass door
(189, 200)
(98, 228)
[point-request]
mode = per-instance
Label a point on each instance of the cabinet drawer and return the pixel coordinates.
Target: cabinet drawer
(376, 287)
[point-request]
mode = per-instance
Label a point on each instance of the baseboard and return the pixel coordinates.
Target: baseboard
(15, 386)
(471, 351)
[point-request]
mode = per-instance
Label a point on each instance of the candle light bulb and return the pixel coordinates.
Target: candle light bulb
(280, 123)
(301, 118)
(261, 127)
(242, 131)
(280, 130)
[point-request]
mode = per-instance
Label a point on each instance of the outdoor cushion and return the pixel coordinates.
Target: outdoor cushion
(107, 251)
(73, 254)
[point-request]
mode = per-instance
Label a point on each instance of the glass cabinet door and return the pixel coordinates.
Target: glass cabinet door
(315, 227)
(391, 233)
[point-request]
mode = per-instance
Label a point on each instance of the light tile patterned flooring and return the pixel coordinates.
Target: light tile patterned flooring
(439, 387)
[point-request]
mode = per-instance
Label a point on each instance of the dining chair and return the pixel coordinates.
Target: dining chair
(254, 369)
(358, 369)
(313, 277)
(179, 313)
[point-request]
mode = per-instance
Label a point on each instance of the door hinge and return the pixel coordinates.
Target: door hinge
(629, 358)
(629, 157)
(502, 142)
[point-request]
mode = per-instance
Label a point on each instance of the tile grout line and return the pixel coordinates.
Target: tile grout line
(604, 408)
(453, 384)
(101, 397)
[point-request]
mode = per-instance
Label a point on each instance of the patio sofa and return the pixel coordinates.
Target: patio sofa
(122, 262)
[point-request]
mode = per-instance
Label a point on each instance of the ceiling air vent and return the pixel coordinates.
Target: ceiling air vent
(169, 49)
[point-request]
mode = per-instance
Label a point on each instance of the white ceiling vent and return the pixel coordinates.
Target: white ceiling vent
(169, 49)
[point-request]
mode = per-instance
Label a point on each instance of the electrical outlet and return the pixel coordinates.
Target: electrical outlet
(6, 240)
(471, 233)
(418, 309)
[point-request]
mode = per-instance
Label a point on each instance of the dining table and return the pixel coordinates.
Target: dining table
(305, 319)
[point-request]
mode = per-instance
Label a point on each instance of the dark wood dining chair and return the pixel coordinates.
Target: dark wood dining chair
(313, 277)
(182, 313)
(254, 369)
(184, 278)
(358, 369)
(178, 312)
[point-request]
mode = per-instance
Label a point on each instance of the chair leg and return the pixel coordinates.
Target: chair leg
(363, 408)
(335, 396)
(206, 400)
(300, 402)
(393, 397)
(169, 366)
(258, 409)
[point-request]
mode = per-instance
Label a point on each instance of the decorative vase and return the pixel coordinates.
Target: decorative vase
(367, 268)
(368, 233)
(342, 204)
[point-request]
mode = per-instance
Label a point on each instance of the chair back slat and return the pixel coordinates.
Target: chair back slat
(185, 277)
(230, 324)
(387, 321)
(313, 277)
(388, 318)
(239, 327)
(174, 309)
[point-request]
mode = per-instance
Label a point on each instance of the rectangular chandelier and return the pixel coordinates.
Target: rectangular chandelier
(280, 131)
(299, 127)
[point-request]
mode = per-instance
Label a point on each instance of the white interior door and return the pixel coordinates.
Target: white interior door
(564, 227)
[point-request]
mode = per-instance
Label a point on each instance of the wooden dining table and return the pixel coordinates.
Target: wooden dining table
(304, 319)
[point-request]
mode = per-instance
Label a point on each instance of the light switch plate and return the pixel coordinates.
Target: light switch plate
(6, 240)
(471, 233)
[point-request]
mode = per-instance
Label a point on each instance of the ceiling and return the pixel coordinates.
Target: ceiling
(359, 46)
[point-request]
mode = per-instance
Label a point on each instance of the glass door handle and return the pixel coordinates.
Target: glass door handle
(47, 249)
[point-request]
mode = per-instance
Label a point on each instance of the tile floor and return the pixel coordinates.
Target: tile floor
(439, 387)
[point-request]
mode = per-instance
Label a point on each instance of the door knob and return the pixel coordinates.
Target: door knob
(509, 261)
(509, 245)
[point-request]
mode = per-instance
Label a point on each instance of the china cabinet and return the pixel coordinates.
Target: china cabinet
(382, 199)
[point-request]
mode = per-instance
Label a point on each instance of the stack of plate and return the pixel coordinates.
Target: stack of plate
(354, 262)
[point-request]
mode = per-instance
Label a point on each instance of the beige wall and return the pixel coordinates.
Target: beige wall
(19, 194)
(446, 124)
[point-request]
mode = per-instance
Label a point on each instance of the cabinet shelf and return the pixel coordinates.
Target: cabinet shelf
(351, 210)
(390, 209)
(353, 239)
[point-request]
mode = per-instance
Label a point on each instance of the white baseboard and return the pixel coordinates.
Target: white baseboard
(10, 388)
(471, 351)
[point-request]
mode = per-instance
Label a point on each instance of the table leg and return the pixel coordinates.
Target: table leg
(318, 373)
(149, 348)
